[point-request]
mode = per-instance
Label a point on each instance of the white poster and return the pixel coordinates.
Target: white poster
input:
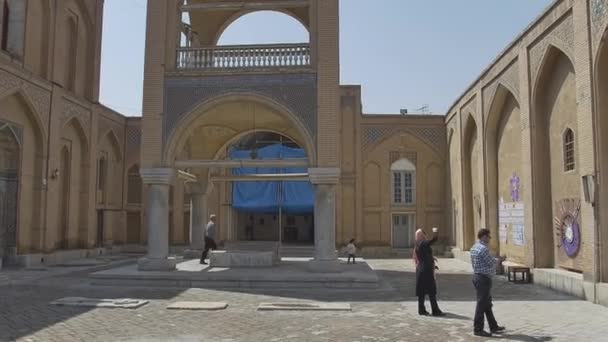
(511, 218)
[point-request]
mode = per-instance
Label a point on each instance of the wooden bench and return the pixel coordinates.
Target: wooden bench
(525, 274)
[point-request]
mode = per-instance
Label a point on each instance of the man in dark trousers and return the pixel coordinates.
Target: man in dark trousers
(249, 228)
(484, 267)
(209, 239)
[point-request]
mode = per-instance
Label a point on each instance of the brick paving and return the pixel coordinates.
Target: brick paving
(531, 313)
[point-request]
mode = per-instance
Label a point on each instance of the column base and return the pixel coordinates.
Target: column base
(148, 264)
(325, 266)
(193, 253)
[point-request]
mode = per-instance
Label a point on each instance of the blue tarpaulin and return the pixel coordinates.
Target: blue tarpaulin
(295, 198)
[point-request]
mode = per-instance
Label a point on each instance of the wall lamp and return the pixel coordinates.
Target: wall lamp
(55, 174)
(589, 188)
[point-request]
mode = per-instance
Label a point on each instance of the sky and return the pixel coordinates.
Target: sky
(404, 54)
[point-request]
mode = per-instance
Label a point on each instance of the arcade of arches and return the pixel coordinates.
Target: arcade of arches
(522, 151)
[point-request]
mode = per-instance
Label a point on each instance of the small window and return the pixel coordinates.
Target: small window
(101, 174)
(5, 20)
(569, 163)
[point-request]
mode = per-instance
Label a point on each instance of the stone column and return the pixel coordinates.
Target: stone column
(325, 181)
(198, 220)
(158, 181)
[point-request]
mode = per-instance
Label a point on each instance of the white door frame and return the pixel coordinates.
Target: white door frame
(393, 214)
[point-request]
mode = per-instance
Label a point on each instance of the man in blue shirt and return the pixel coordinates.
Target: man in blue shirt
(484, 267)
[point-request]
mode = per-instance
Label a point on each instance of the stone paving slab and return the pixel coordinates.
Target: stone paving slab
(287, 306)
(124, 303)
(190, 305)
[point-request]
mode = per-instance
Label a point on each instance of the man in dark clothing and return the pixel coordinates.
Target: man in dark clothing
(249, 229)
(209, 239)
(425, 273)
(484, 267)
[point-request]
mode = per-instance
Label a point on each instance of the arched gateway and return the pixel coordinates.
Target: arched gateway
(212, 96)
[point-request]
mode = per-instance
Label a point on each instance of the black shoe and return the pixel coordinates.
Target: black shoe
(423, 313)
(439, 314)
(482, 333)
(203, 263)
(497, 330)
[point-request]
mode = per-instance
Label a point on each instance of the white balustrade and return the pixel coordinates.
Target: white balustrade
(244, 57)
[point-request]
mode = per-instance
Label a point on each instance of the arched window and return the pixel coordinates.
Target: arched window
(13, 26)
(569, 163)
(6, 14)
(134, 186)
(404, 182)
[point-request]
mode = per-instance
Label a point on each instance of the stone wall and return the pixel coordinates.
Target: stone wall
(538, 87)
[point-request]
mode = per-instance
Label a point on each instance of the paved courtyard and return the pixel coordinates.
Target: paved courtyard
(531, 313)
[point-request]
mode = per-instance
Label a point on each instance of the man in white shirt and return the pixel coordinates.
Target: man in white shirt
(209, 239)
(484, 267)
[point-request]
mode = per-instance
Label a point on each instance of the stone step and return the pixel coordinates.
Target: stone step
(297, 251)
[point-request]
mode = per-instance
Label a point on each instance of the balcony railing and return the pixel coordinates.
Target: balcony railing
(244, 57)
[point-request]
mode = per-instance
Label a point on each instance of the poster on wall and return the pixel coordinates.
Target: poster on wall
(502, 233)
(511, 217)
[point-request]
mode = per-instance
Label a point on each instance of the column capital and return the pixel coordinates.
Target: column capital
(324, 175)
(157, 176)
(198, 188)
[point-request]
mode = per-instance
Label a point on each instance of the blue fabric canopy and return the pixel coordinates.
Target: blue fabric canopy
(294, 198)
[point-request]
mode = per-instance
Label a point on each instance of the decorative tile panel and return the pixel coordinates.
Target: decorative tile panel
(16, 129)
(599, 12)
(561, 36)
(105, 125)
(73, 110)
(39, 98)
(297, 92)
(599, 20)
(8, 82)
(133, 138)
(396, 155)
(509, 79)
(434, 136)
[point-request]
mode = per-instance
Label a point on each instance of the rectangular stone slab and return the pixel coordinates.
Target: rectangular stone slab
(123, 303)
(240, 259)
(197, 306)
(294, 306)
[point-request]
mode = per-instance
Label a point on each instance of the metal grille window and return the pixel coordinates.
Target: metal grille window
(134, 186)
(397, 193)
(404, 182)
(569, 163)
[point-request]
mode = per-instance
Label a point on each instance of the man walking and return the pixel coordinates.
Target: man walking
(209, 239)
(484, 267)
